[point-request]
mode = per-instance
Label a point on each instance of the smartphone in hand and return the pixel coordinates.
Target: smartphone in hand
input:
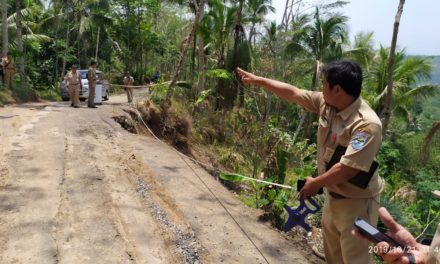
(373, 234)
(300, 184)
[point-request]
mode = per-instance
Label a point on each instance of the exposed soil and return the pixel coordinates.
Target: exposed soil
(76, 187)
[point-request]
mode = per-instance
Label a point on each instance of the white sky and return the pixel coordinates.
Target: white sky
(419, 31)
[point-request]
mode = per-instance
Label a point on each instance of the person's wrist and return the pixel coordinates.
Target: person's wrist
(317, 182)
(259, 80)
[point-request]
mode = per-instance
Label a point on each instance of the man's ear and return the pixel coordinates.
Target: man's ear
(338, 89)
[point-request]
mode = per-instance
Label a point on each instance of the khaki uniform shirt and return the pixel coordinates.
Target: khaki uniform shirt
(128, 80)
(357, 128)
(8, 63)
(91, 76)
(434, 250)
(73, 79)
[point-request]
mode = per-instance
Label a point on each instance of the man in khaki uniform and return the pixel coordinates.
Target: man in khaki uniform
(2, 70)
(416, 253)
(349, 137)
(8, 69)
(128, 86)
(434, 250)
(91, 76)
(73, 80)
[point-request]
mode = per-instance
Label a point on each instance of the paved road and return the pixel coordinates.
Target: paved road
(77, 188)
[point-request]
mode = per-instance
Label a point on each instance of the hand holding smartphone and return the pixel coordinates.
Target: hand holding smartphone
(373, 234)
(300, 184)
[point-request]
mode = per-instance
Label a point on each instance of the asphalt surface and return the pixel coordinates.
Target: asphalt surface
(75, 187)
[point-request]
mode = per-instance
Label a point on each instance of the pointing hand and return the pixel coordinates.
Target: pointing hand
(248, 77)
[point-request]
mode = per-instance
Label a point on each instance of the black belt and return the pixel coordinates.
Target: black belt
(337, 195)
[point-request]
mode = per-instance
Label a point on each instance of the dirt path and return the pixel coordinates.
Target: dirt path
(77, 188)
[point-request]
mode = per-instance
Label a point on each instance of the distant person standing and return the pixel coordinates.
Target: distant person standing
(106, 87)
(128, 86)
(73, 80)
(155, 77)
(8, 69)
(91, 76)
(2, 70)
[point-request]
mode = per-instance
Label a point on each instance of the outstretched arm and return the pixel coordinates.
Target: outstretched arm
(283, 90)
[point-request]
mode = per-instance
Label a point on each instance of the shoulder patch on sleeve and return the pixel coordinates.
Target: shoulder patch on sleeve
(360, 138)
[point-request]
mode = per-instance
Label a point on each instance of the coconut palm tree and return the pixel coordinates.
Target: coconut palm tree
(363, 49)
(270, 38)
(30, 28)
(257, 10)
(323, 40)
(81, 21)
(184, 50)
(20, 27)
(270, 42)
(410, 75)
(427, 142)
(386, 114)
(216, 25)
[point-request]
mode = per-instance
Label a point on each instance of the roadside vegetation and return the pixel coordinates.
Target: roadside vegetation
(210, 115)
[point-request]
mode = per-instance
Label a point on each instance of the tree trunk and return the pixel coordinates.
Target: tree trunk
(20, 43)
(5, 41)
(193, 58)
(183, 53)
(63, 68)
(284, 21)
(237, 40)
(97, 44)
(267, 108)
(426, 143)
(269, 95)
(251, 33)
(139, 54)
(386, 115)
(127, 57)
(201, 84)
(202, 70)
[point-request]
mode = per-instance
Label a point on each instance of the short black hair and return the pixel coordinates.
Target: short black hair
(92, 63)
(345, 73)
